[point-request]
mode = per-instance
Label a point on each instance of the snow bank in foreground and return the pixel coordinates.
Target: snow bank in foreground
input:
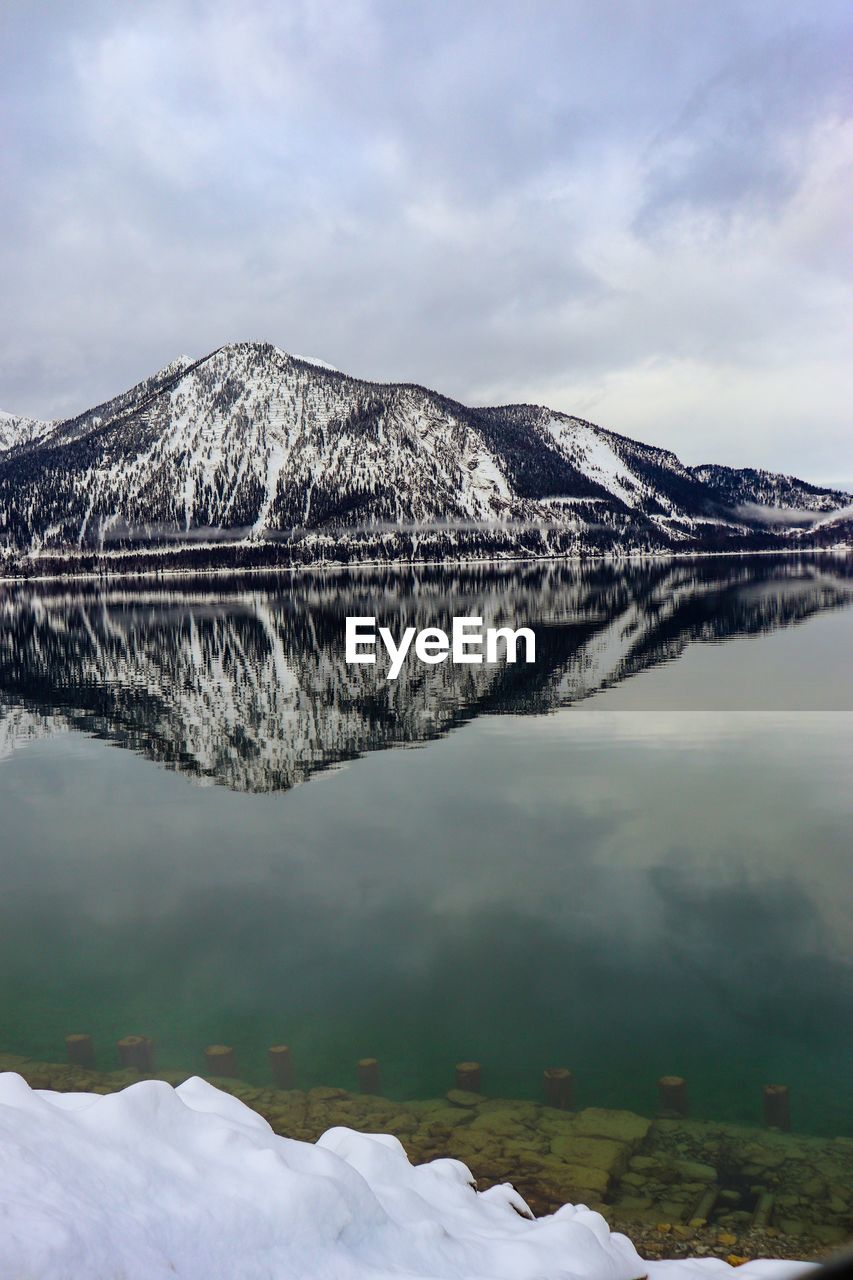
(160, 1182)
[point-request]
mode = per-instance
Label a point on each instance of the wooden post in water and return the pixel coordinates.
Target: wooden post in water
(220, 1060)
(281, 1065)
(468, 1076)
(777, 1107)
(557, 1082)
(368, 1075)
(763, 1211)
(81, 1050)
(672, 1091)
(136, 1052)
(705, 1207)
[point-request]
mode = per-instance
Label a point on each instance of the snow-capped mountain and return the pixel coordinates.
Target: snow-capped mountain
(288, 459)
(17, 431)
(247, 685)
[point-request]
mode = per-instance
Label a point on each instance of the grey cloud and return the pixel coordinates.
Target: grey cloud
(779, 515)
(741, 135)
(584, 205)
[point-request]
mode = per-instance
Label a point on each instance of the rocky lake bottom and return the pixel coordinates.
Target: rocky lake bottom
(677, 1187)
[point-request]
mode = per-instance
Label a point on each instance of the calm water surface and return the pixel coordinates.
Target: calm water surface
(632, 859)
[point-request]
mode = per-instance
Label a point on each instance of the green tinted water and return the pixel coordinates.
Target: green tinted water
(632, 859)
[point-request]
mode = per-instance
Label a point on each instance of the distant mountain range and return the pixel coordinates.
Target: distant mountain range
(250, 456)
(247, 685)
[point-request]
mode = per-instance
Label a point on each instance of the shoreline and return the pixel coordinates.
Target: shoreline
(677, 1187)
(339, 567)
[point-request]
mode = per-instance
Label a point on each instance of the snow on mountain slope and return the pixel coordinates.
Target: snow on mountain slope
(249, 440)
(128, 402)
(251, 444)
(19, 431)
(321, 364)
(595, 457)
(748, 487)
(646, 479)
(16, 430)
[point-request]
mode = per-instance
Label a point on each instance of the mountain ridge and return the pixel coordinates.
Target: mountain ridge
(254, 447)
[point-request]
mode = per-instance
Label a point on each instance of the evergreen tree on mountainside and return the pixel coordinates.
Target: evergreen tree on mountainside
(252, 456)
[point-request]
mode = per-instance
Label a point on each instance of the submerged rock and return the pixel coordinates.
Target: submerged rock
(623, 1126)
(632, 1169)
(464, 1098)
(594, 1153)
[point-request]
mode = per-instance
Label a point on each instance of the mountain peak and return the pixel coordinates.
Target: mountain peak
(266, 351)
(255, 446)
(178, 365)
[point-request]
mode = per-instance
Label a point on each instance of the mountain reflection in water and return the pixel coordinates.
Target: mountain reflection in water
(244, 683)
(630, 877)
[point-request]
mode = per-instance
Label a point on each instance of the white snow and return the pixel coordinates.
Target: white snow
(590, 450)
(321, 364)
(16, 429)
(156, 1182)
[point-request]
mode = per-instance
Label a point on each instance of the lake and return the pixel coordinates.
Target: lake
(631, 859)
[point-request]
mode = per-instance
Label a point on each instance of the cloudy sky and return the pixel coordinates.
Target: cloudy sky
(638, 211)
